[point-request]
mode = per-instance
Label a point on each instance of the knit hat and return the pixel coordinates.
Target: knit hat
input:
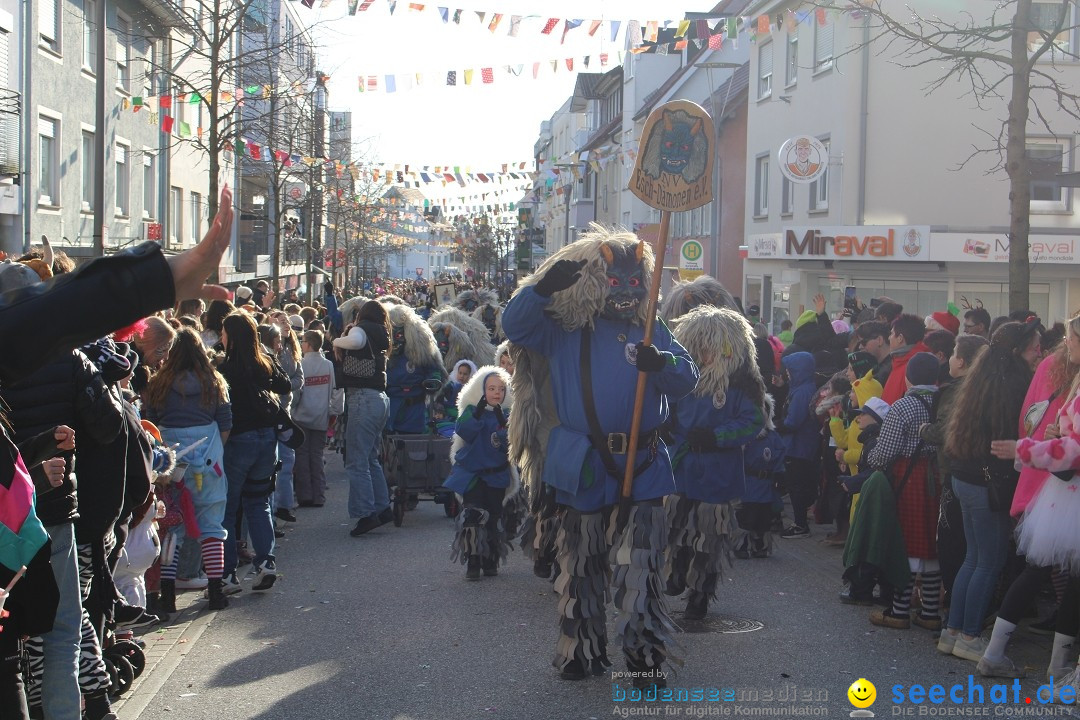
(807, 317)
(243, 293)
(861, 362)
(876, 408)
(839, 327)
(923, 369)
(297, 323)
(947, 321)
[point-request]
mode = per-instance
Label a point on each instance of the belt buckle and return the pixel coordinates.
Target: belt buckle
(617, 443)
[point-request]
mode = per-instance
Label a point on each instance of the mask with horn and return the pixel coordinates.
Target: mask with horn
(625, 279)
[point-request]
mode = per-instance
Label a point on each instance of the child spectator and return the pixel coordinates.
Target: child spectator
(801, 432)
(764, 458)
(315, 403)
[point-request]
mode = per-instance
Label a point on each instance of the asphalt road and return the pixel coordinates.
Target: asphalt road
(384, 627)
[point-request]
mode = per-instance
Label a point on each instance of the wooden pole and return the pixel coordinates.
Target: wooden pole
(639, 396)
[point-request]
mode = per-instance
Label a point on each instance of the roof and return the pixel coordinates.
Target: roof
(591, 86)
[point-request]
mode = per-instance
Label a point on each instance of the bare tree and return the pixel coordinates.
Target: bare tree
(1012, 55)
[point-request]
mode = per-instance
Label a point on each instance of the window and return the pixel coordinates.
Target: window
(1046, 17)
(765, 67)
(761, 186)
(48, 161)
(823, 46)
(89, 58)
(87, 163)
(49, 24)
(287, 41)
(149, 191)
(819, 189)
(195, 226)
(123, 54)
(787, 197)
(1046, 158)
(791, 61)
(176, 215)
(200, 23)
(150, 64)
(123, 181)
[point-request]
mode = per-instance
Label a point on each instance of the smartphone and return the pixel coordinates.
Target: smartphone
(849, 298)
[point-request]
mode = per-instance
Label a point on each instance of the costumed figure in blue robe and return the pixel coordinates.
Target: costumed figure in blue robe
(481, 473)
(710, 428)
(413, 370)
(764, 461)
(576, 328)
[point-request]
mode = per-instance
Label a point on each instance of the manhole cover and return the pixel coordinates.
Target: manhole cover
(720, 624)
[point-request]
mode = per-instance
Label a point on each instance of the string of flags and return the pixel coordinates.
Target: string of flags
(652, 37)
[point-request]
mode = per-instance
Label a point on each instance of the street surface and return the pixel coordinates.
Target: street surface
(383, 627)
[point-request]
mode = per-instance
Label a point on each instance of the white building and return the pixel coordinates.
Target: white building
(896, 170)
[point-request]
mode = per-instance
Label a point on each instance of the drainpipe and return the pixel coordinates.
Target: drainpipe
(29, 122)
(864, 94)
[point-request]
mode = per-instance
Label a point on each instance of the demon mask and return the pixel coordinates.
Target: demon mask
(625, 279)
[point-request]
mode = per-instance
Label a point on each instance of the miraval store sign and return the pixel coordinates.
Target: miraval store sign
(869, 242)
(976, 248)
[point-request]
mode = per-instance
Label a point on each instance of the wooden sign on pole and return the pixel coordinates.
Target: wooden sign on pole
(673, 173)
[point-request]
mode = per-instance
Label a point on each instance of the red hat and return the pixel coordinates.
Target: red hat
(947, 320)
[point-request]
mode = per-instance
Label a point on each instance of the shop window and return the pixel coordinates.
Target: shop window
(994, 297)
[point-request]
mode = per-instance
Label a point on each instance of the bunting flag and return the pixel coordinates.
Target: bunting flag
(444, 13)
(549, 26)
(488, 75)
(496, 18)
(451, 77)
(515, 25)
(167, 124)
(763, 25)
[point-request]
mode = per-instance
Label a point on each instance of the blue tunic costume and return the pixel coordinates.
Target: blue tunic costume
(405, 389)
(572, 466)
(716, 476)
(484, 454)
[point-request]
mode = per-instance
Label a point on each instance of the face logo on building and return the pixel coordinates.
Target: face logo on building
(912, 243)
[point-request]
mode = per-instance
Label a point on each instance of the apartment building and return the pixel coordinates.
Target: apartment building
(903, 207)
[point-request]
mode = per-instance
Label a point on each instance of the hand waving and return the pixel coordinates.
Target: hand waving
(560, 276)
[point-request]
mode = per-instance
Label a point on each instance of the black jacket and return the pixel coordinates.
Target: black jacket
(244, 389)
(81, 306)
(68, 391)
(102, 478)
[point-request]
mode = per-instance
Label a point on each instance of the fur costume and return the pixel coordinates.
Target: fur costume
(349, 308)
(502, 349)
(553, 444)
(460, 337)
(482, 305)
(414, 362)
(478, 454)
(725, 412)
(685, 296)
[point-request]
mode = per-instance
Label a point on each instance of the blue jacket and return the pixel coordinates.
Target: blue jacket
(764, 464)
(405, 388)
(801, 429)
(572, 466)
(484, 454)
(716, 476)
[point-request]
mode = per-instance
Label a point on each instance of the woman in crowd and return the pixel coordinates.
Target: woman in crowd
(1048, 450)
(362, 354)
(255, 382)
(189, 402)
(279, 338)
(951, 547)
(211, 322)
(152, 339)
(986, 408)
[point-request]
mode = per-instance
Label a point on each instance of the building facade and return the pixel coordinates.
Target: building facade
(904, 208)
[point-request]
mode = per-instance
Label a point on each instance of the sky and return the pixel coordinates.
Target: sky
(478, 126)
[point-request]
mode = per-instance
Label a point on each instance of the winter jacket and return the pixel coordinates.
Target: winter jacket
(896, 385)
(934, 431)
(244, 389)
(867, 440)
(1059, 454)
(847, 434)
(183, 406)
(800, 427)
(320, 397)
(714, 474)
(68, 391)
(295, 371)
(900, 432)
(1037, 412)
(812, 336)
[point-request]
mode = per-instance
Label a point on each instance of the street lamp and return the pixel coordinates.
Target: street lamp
(714, 234)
